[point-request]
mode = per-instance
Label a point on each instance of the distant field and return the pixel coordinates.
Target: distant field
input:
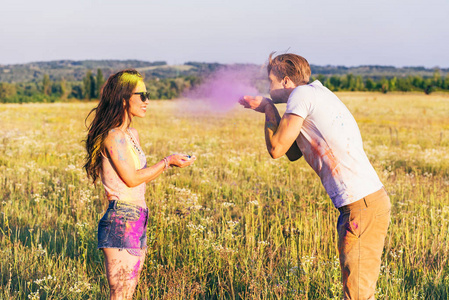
(236, 224)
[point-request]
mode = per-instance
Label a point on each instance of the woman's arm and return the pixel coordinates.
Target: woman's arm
(116, 148)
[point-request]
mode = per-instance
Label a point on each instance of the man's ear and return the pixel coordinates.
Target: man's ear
(287, 82)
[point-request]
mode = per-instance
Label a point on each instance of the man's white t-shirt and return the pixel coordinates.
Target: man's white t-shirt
(331, 143)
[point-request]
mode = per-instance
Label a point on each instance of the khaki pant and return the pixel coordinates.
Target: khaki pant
(362, 227)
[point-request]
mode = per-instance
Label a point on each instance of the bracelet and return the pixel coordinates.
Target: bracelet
(167, 165)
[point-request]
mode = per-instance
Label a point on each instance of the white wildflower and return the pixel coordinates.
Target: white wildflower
(254, 202)
(232, 224)
(34, 296)
(198, 228)
(70, 167)
(36, 197)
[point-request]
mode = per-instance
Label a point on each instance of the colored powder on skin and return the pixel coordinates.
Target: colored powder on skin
(120, 142)
(121, 155)
(135, 271)
(221, 90)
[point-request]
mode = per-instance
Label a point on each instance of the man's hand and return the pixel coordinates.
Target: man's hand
(280, 134)
(257, 103)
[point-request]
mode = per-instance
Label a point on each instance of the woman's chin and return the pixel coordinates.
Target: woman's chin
(140, 115)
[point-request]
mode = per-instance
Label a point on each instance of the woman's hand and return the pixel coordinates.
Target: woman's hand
(257, 103)
(180, 160)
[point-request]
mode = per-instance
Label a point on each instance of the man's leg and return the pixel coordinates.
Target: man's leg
(362, 228)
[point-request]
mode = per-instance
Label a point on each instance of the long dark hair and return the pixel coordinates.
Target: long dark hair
(110, 113)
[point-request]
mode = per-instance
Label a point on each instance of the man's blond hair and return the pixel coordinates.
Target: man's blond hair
(292, 65)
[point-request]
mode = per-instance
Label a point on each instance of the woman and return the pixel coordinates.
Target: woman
(114, 154)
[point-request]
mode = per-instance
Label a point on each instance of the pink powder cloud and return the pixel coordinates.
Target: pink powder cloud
(221, 90)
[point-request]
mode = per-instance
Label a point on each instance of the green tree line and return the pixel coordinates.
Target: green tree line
(169, 88)
(409, 83)
(87, 89)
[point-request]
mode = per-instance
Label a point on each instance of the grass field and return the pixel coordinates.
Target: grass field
(235, 225)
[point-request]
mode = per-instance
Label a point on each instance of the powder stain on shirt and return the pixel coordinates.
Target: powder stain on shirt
(328, 157)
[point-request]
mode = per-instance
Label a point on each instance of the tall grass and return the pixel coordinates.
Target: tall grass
(235, 225)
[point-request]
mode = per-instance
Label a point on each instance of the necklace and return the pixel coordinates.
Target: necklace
(133, 141)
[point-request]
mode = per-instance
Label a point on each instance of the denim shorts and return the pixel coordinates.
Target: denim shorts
(123, 226)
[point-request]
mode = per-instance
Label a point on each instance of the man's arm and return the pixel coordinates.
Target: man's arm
(281, 133)
(294, 153)
(284, 141)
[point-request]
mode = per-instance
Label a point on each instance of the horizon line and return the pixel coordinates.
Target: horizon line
(216, 62)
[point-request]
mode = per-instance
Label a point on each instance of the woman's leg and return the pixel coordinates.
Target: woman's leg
(123, 272)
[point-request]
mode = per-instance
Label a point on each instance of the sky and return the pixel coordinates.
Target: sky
(327, 32)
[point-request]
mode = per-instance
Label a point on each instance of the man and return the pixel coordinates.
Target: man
(328, 137)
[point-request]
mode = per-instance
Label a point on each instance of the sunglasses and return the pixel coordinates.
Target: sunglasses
(143, 96)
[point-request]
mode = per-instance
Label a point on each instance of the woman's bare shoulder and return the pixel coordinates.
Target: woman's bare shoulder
(115, 136)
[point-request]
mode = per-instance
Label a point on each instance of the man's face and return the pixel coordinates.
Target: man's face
(277, 89)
